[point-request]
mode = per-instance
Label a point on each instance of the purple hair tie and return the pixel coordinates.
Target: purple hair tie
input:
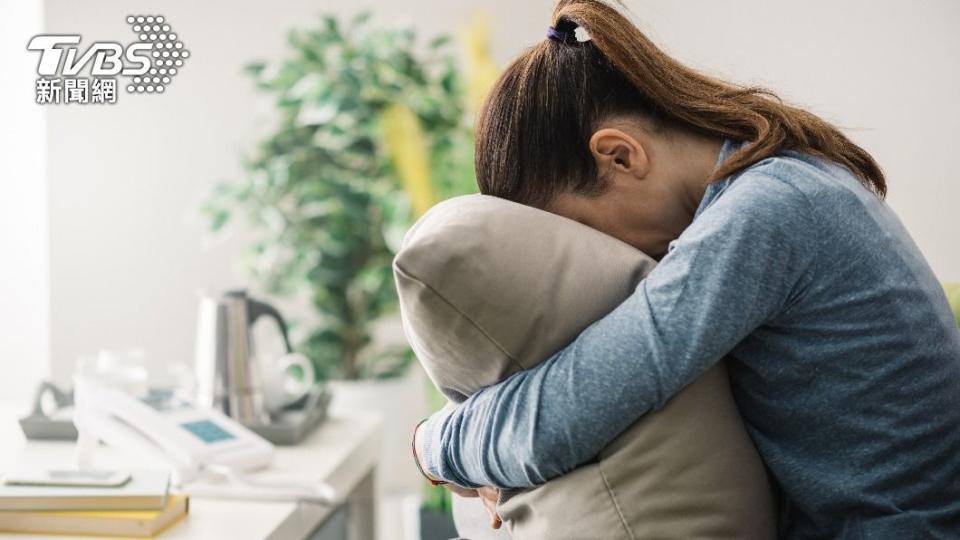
(562, 37)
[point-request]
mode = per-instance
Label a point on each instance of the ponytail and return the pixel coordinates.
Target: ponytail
(533, 130)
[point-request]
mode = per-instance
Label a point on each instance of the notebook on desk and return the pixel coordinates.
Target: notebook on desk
(146, 490)
(126, 523)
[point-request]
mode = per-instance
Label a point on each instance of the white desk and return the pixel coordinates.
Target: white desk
(342, 451)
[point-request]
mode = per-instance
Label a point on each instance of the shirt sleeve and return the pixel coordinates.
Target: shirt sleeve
(736, 267)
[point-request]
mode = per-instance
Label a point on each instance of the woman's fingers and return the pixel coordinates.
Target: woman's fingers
(461, 491)
(490, 496)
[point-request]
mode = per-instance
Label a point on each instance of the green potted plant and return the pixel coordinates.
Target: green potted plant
(371, 130)
(324, 193)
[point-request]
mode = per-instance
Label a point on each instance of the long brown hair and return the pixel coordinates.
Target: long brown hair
(534, 128)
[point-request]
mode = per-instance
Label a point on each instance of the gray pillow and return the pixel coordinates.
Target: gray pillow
(489, 287)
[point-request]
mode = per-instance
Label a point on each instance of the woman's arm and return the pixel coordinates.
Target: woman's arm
(734, 268)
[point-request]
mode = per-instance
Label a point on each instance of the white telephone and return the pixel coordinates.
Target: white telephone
(194, 442)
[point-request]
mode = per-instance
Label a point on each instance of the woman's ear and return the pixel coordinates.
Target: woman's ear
(617, 151)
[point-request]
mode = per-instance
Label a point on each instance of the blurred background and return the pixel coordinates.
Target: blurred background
(301, 138)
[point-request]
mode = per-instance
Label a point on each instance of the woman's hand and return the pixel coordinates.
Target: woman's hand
(469, 493)
(490, 496)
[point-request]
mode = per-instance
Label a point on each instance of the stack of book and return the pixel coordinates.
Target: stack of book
(143, 507)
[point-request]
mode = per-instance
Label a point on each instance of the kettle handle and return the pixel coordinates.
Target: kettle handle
(256, 308)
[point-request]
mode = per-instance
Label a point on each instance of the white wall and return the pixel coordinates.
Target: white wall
(128, 251)
(24, 290)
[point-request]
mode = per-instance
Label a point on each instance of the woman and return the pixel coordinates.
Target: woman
(776, 249)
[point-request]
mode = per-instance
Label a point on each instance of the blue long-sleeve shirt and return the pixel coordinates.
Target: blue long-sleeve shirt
(844, 361)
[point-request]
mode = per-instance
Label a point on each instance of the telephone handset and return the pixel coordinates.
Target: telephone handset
(193, 441)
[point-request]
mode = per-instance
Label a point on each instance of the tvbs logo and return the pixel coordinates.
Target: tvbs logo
(148, 64)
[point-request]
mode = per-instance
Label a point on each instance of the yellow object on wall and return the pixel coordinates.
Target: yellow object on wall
(403, 135)
(953, 295)
(481, 70)
(407, 147)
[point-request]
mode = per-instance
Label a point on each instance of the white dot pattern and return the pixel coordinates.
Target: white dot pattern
(167, 51)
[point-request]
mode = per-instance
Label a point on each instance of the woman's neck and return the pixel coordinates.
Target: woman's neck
(695, 157)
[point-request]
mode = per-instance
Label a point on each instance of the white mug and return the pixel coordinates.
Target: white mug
(280, 387)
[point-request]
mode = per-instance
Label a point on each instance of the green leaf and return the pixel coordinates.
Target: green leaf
(439, 41)
(331, 25)
(218, 219)
(361, 18)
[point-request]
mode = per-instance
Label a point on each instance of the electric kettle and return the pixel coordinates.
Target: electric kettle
(227, 375)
